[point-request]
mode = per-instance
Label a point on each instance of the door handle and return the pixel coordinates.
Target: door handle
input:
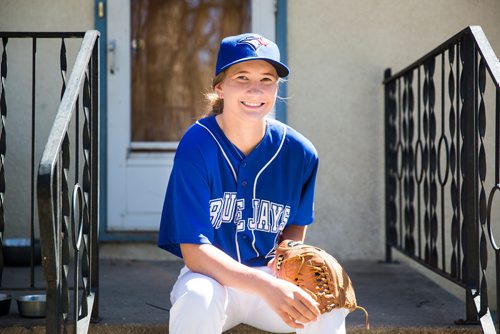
(112, 56)
(138, 44)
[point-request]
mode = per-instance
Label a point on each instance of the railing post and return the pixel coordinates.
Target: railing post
(94, 245)
(497, 165)
(470, 226)
(3, 145)
(388, 249)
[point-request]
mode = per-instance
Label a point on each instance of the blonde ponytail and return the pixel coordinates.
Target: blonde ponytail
(215, 103)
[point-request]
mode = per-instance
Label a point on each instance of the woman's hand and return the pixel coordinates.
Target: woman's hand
(270, 265)
(290, 302)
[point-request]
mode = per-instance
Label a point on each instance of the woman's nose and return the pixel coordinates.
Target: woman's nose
(255, 88)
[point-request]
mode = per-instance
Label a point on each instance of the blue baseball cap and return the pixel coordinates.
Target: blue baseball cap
(245, 47)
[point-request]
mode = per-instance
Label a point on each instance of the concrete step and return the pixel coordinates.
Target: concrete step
(134, 298)
(243, 329)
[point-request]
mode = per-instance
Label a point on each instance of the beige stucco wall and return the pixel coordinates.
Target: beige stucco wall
(338, 51)
(28, 15)
(47, 15)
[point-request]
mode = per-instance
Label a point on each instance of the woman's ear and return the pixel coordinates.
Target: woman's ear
(218, 90)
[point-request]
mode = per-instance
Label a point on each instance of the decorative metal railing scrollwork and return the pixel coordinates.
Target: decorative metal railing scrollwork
(65, 189)
(3, 115)
(69, 217)
(442, 166)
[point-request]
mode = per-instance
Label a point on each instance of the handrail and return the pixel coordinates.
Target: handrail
(63, 221)
(42, 34)
(438, 212)
(493, 64)
(64, 113)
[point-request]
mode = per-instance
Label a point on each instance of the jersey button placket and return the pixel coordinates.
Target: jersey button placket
(243, 174)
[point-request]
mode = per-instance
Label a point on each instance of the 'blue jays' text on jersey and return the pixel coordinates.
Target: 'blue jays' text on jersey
(239, 204)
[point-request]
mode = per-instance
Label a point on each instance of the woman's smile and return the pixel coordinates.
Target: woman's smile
(252, 104)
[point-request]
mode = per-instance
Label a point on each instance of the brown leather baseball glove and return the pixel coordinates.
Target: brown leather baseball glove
(318, 273)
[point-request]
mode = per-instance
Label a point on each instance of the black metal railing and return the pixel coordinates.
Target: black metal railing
(69, 216)
(442, 165)
(64, 203)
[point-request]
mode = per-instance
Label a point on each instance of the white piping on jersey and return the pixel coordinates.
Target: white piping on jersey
(220, 146)
(268, 163)
(235, 179)
(272, 252)
(257, 177)
(237, 245)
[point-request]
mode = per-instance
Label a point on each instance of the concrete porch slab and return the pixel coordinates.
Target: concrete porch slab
(134, 298)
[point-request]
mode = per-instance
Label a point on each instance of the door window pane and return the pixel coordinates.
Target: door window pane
(174, 50)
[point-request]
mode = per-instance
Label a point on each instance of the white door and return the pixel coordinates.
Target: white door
(144, 121)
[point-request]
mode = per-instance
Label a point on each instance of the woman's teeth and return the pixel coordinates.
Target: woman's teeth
(251, 104)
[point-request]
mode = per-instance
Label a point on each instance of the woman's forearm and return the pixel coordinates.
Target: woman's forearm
(210, 261)
(294, 232)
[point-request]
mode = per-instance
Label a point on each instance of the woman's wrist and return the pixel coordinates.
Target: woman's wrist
(262, 282)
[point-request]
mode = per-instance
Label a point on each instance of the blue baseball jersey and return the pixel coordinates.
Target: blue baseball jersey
(240, 204)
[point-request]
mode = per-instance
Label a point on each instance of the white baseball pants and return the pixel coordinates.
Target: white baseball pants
(201, 305)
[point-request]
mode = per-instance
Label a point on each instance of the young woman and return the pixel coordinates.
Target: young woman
(240, 183)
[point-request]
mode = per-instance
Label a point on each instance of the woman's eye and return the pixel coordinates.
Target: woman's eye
(242, 77)
(268, 80)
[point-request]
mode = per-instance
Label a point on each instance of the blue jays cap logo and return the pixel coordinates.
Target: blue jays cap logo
(254, 41)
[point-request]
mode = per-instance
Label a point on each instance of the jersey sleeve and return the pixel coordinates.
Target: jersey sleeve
(305, 210)
(185, 217)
